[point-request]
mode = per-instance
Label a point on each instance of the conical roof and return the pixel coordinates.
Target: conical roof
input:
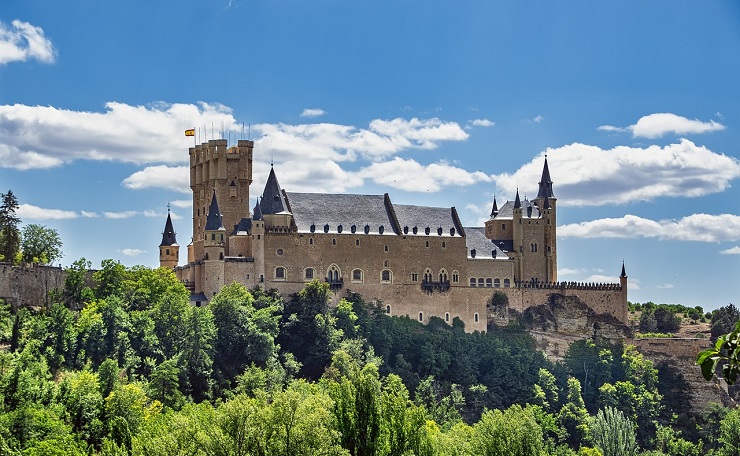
(545, 190)
(168, 235)
(273, 201)
(517, 201)
(213, 219)
(624, 274)
(494, 209)
(257, 213)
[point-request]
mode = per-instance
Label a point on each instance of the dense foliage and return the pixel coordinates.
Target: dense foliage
(122, 364)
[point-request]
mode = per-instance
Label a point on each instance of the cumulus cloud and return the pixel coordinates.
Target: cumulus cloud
(586, 175)
(696, 227)
(632, 283)
(132, 252)
(410, 175)
(731, 251)
(175, 178)
(30, 212)
(660, 124)
(45, 136)
(482, 123)
(21, 41)
(120, 215)
(665, 286)
(182, 203)
(312, 112)
(89, 214)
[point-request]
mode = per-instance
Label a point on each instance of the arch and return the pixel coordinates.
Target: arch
(386, 276)
(472, 281)
(428, 275)
(309, 274)
(447, 317)
(497, 282)
(443, 275)
(388, 309)
(489, 282)
(507, 283)
(280, 273)
(357, 276)
(481, 282)
(333, 273)
(455, 277)
(475, 317)
(421, 316)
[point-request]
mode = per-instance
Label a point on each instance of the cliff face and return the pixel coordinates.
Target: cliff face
(29, 286)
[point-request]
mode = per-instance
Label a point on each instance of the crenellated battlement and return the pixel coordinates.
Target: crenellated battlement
(569, 285)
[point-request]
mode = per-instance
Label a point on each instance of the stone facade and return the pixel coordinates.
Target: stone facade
(412, 260)
(29, 285)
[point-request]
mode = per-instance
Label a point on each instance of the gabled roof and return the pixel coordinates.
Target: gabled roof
(423, 217)
(320, 209)
(475, 239)
(545, 190)
(168, 235)
(507, 210)
(213, 219)
(273, 201)
(243, 227)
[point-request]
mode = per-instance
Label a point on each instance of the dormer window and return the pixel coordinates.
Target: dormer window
(427, 230)
(353, 229)
(313, 228)
(339, 228)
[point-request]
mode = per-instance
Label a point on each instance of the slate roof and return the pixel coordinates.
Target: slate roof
(243, 227)
(168, 235)
(424, 217)
(507, 210)
(213, 219)
(273, 200)
(257, 213)
(475, 239)
(545, 190)
(319, 209)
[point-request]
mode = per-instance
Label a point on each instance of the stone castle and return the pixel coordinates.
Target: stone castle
(413, 260)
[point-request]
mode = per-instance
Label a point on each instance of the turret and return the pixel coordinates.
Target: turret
(169, 251)
(274, 207)
(214, 233)
(494, 209)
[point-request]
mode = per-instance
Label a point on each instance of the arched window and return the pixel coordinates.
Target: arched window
(497, 282)
(357, 242)
(339, 228)
(421, 316)
(447, 317)
(507, 283)
(333, 241)
(353, 229)
(475, 317)
(426, 244)
(387, 309)
(309, 273)
(386, 276)
(279, 273)
(443, 275)
(488, 282)
(333, 274)
(481, 283)
(357, 275)
(427, 230)
(428, 275)
(455, 277)
(414, 276)
(472, 281)
(385, 248)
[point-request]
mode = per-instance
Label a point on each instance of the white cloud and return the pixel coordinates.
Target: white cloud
(661, 124)
(120, 215)
(175, 178)
(45, 136)
(312, 112)
(132, 252)
(665, 286)
(696, 227)
(586, 175)
(571, 271)
(21, 41)
(182, 203)
(30, 212)
(482, 123)
(89, 214)
(410, 175)
(632, 283)
(731, 251)
(538, 119)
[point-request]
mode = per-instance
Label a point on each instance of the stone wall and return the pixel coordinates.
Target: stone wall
(29, 286)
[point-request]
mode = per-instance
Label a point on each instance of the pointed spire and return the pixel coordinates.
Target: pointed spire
(624, 274)
(168, 235)
(257, 213)
(545, 183)
(517, 201)
(273, 201)
(214, 221)
(494, 209)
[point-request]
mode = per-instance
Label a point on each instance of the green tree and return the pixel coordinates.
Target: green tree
(196, 358)
(513, 432)
(80, 394)
(10, 236)
(164, 386)
(573, 416)
(724, 320)
(110, 279)
(613, 433)
(730, 434)
(170, 316)
(76, 292)
(725, 352)
(40, 244)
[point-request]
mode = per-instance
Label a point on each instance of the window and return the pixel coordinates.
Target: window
(507, 283)
(415, 230)
(385, 263)
(447, 317)
(385, 248)
(340, 228)
(387, 309)
(426, 244)
(444, 244)
(472, 282)
(421, 316)
(353, 229)
(381, 229)
(367, 229)
(503, 226)
(385, 275)
(213, 236)
(280, 273)
(166, 251)
(279, 252)
(443, 276)
(357, 275)
(308, 273)
(439, 231)
(427, 230)
(481, 283)
(221, 255)
(310, 241)
(326, 228)
(475, 317)
(488, 282)
(405, 230)
(333, 274)
(333, 241)
(497, 282)
(455, 277)
(357, 242)
(414, 276)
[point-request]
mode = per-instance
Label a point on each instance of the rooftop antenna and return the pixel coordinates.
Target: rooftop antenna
(250, 131)
(242, 131)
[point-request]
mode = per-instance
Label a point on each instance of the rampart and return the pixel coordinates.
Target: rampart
(29, 285)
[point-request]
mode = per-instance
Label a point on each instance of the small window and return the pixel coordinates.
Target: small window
(326, 228)
(308, 273)
(503, 226)
(421, 316)
(475, 317)
(414, 276)
(472, 253)
(333, 241)
(415, 230)
(481, 282)
(357, 275)
(497, 282)
(313, 228)
(439, 231)
(444, 244)
(280, 273)
(489, 282)
(166, 251)
(472, 282)
(385, 263)
(381, 229)
(213, 236)
(385, 276)
(405, 230)
(452, 231)
(427, 230)
(455, 277)
(353, 228)
(357, 242)
(387, 309)
(340, 228)
(426, 244)
(367, 229)
(310, 241)
(507, 283)
(221, 255)
(447, 317)
(279, 252)
(385, 248)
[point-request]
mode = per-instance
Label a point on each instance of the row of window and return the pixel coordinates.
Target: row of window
(385, 248)
(476, 318)
(488, 283)
(381, 229)
(333, 274)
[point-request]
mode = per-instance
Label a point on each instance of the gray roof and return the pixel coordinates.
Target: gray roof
(273, 201)
(168, 235)
(320, 209)
(545, 190)
(243, 227)
(214, 221)
(423, 217)
(475, 239)
(507, 210)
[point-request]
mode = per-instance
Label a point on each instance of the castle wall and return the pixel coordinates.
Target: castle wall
(29, 286)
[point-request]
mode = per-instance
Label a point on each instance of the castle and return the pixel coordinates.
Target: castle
(413, 260)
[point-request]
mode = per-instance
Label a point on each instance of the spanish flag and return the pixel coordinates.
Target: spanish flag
(190, 132)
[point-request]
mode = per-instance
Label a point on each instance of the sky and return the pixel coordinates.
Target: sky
(437, 103)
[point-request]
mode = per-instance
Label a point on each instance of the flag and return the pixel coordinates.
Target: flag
(190, 132)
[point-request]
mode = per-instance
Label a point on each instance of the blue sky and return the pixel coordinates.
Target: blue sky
(437, 103)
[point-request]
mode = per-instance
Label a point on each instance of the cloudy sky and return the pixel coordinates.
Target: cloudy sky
(439, 103)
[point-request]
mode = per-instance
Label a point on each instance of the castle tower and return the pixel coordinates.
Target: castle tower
(169, 251)
(258, 242)
(622, 313)
(214, 235)
(274, 207)
(518, 239)
(546, 202)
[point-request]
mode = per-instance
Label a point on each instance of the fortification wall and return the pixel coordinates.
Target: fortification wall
(29, 286)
